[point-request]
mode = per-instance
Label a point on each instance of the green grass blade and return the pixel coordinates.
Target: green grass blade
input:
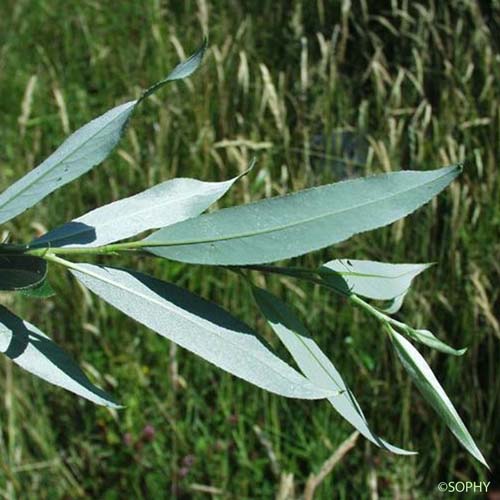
(421, 373)
(315, 365)
(32, 350)
(284, 227)
(197, 325)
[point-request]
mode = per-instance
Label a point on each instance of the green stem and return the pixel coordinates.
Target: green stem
(103, 250)
(51, 254)
(58, 260)
(298, 273)
(114, 248)
(368, 307)
(308, 275)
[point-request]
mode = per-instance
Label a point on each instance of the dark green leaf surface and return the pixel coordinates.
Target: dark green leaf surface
(41, 291)
(18, 272)
(32, 350)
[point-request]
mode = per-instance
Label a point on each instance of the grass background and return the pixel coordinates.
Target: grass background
(420, 80)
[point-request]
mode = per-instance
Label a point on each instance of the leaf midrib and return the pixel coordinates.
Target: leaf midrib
(294, 223)
(456, 424)
(189, 319)
(142, 210)
(369, 275)
(44, 174)
(299, 337)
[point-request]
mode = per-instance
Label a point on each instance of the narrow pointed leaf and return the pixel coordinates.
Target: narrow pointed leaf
(197, 325)
(429, 339)
(18, 272)
(84, 149)
(32, 350)
(431, 389)
(167, 203)
(81, 151)
(287, 226)
(182, 70)
(374, 280)
(315, 365)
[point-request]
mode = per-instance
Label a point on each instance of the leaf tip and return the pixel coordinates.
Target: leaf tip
(115, 406)
(479, 457)
(250, 167)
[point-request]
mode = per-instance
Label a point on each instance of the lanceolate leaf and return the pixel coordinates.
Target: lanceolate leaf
(424, 378)
(429, 339)
(197, 325)
(374, 280)
(32, 350)
(81, 151)
(183, 70)
(18, 272)
(162, 205)
(315, 365)
(284, 227)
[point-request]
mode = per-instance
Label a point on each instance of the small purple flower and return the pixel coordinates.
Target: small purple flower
(233, 419)
(128, 440)
(183, 471)
(188, 460)
(148, 433)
